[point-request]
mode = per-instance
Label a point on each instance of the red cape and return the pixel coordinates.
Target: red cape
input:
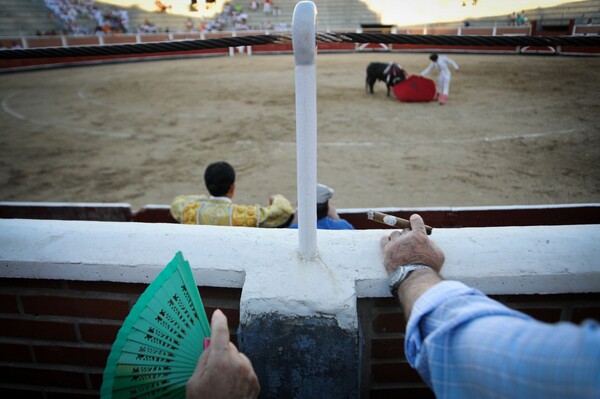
(415, 89)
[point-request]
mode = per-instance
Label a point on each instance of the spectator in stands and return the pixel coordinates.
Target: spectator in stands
(147, 27)
(462, 343)
(441, 63)
(268, 7)
(218, 209)
(327, 216)
(189, 25)
(68, 11)
(241, 22)
(521, 20)
(124, 20)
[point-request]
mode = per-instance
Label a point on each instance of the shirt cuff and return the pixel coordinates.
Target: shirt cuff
(429, 301)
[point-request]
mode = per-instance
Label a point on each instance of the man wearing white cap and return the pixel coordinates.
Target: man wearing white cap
(327, 216)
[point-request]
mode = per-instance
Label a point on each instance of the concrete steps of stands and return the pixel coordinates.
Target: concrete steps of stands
(163, 21)
(559, 15)
(332, 14)
(24, 17)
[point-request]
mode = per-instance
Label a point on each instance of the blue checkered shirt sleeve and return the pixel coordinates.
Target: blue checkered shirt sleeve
(466, 345)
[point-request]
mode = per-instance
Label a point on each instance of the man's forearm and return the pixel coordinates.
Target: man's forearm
(417, 283)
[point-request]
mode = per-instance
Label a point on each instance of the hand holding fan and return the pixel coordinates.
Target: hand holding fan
(161, 340)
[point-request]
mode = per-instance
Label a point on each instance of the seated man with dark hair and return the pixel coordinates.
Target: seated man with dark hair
(218, 209)
(327, 216)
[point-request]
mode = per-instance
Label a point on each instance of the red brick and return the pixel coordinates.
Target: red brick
(15, 393)
(389, 323)
(37, 329)
(30, 283)
(96, 380)
(394, 372)
(99, 333)
(583, 313)
(106, 286)
(387, 348)
(408, 392)
(218, 292)
(42, 377)
(15, 353)
(67, 395)
(536, 298)
(8, 304)
(233, 315)
(61, 354)
(548, 315)
(387, 302)
(75, 307)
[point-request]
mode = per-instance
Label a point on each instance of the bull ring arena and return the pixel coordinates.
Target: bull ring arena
(94, 135)
(517, 129)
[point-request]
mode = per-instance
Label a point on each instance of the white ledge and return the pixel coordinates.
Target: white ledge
(265, 262)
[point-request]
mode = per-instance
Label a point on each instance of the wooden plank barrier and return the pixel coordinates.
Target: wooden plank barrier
(539, 215)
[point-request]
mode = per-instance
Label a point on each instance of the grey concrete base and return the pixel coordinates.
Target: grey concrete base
(301, 357)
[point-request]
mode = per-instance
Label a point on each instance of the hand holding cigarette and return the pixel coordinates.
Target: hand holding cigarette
(393, 221)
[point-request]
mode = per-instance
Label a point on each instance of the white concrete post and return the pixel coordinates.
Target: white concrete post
(232, 49)
(303, 41)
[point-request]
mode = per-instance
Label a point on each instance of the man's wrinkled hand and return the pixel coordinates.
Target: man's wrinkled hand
(411, 246)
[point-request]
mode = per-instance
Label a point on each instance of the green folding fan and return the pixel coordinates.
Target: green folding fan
(161, 340)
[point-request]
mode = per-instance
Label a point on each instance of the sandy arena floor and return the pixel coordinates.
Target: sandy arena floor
(516, 130)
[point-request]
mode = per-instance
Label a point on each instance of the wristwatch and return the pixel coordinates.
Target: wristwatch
(400, 274)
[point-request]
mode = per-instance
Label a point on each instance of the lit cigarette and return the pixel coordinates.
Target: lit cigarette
(392, 221)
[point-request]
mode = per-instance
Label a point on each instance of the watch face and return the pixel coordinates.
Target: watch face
(400, 274)
(406, 270)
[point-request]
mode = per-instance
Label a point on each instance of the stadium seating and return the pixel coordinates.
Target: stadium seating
(332, 14)
(553, 16)
(26, 17)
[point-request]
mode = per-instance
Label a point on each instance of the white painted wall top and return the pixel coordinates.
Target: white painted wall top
(265, 262)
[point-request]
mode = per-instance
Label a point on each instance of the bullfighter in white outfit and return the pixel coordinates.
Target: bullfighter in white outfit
(442, 64)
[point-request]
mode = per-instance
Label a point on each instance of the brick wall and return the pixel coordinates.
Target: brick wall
(386, 373)
(55, 335)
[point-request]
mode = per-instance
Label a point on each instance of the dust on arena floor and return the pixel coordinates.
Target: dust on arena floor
(516, 130)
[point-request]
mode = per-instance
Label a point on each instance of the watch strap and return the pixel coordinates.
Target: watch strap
(400, 274)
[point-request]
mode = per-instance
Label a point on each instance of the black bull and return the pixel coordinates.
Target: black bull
(390, 74)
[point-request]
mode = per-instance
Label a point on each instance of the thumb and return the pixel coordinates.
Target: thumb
(219, 337)
(417, 225)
